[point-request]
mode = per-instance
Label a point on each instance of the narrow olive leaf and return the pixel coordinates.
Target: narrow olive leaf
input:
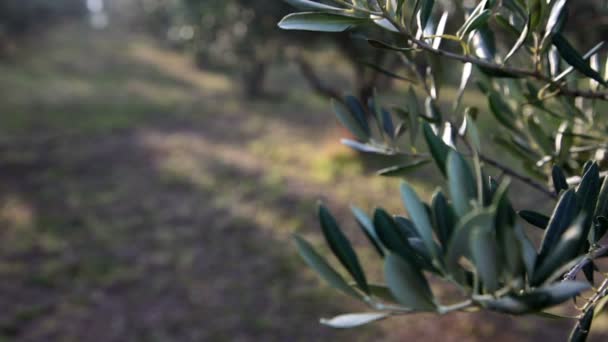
(557, 10)
(354, 320)
(570, 55)
(537, 10)
(440, 30)
(348, 120)
(565, 212)
(467, 70)
(387, 123)
(318, 263)
(367, 226)
(462, 183)
(472, 132)
(482, 244)
(583, 327)
(432, 113)
(595, 49)
(502, 112)
(587, 194)
(538, 299)
(459, 243)
(321, 22)
(567, 249)
(407, 284)
(439, 150)
(307, 5)
(474, 23)
(444, 218)
(341, 247)
(601, 210)
(382, 292)
(391, 236)
(536, 219)
(520, 41)
(420, 217)
(559, 179)
(563, 142)
(402, 170)
(423, 15)
(358, 112)
(538, 135)
(414, 113)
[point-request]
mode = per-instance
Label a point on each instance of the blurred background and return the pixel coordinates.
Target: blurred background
(156, 156)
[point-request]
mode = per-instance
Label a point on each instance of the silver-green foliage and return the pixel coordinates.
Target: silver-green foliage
(548, 101)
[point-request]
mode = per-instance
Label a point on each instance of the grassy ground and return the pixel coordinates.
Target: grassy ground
(142, 199)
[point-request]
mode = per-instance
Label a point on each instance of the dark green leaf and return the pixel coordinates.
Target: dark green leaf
(573, 58)
(502, 112)
(322, 22)
(567, 248)
(351, 122)
(557, 11)
(367, 226)
(565, 212)
(559, 180)
(439, 150)
(403, 169)
(444, 219)
(601, 209)
(536, 219)
(459, 243)
(341, 247)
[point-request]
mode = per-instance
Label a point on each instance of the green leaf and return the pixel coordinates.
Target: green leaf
(467, 70)
(420, 217)
(538, 135)
(462, 183)
(354, 320)
(407, 284)
(567, 249)
(536, 219)
(444, 219)
(557, 11)
(573, 58)
(538, 299)
(483, 254)
(351, 121)
(341, 247)
(472, 132)
(402, 170)
(367, 226)
(601, 210)
(502, 112)
(537, 10)
(459, 243)
(474, 22)
(439, 150)
(559, 180)
(422, 17)
(414, 112)
(563, 142)
(565, 212)
(318, 263)
(392, 236)
(321, 22)
(587, 194)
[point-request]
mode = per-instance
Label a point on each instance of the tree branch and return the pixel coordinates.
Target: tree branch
(563, 89)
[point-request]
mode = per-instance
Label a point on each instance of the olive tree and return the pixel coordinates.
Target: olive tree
(548, 106)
